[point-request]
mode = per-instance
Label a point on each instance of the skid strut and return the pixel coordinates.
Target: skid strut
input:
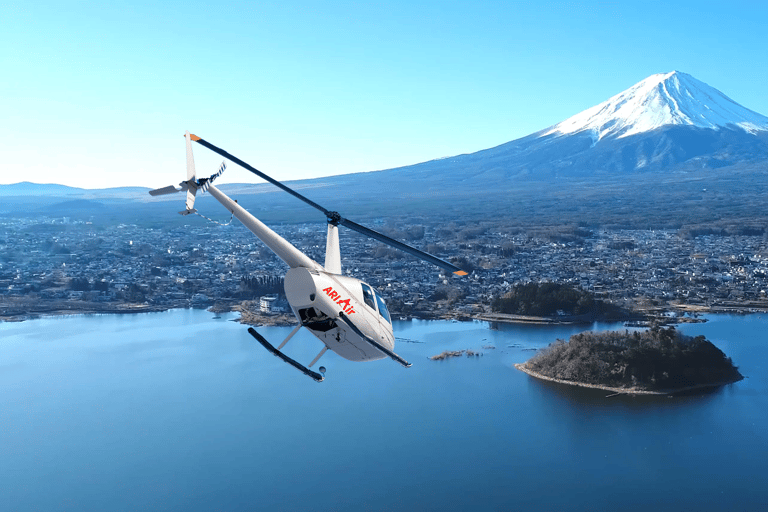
(303, 369)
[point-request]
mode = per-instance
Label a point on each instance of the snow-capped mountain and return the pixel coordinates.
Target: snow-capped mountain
(660, 100)
(666, 123)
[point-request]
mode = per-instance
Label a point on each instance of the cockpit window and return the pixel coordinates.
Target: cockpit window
(383, 311)
(368, 296)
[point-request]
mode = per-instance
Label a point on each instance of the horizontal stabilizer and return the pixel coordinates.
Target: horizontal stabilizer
(170, 189)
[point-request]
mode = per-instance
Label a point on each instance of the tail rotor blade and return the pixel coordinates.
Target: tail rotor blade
(206, 182)
(221, 170)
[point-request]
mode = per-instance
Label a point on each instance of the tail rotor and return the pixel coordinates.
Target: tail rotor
(192, 184)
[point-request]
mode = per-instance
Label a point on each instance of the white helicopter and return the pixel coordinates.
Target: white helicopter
(347, 315)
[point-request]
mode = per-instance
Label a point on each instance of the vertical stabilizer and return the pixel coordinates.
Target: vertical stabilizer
(332, 253)
(190, 176)
(190, 204)
(190, 157)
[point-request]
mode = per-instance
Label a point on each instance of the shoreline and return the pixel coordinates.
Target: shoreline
(88, 309)
(20, 310)
(250, 317)
(620, 391)
(255, 319)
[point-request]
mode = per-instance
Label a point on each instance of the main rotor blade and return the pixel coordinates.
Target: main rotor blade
(334, 217)
(403, 247)
(258, 173)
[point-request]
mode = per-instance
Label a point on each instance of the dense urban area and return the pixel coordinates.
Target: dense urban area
(57, 265)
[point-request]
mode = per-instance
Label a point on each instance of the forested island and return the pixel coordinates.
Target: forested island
(658, 360)
(548, 299)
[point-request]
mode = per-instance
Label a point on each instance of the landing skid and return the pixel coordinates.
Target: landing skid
(373, 342)
(303, 369)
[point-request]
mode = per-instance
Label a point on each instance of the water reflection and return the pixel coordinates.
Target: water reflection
(580, 397)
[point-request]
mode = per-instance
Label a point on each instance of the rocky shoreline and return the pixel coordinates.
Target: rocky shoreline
(251, 315)
(455, 353)
(621, 391)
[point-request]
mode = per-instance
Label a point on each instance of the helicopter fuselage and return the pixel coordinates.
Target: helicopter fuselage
(319, 299)
(347, 315)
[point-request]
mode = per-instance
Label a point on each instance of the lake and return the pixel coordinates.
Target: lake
(183, 411)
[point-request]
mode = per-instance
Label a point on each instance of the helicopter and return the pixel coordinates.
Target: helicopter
(346, 314)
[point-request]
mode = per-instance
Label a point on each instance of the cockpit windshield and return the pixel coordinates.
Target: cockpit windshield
(371, 298)
(383, 311)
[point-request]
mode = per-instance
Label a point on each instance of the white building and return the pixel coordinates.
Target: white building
(268, 304)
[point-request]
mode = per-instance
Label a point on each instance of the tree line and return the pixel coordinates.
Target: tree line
(260, 285)
(550, 299)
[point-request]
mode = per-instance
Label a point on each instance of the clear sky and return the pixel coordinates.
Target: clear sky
(99, 94)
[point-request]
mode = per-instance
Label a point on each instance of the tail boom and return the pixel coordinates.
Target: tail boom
(277, 244)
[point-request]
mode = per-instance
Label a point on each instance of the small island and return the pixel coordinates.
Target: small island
(656, 361)
(548, 302)
(455, 353)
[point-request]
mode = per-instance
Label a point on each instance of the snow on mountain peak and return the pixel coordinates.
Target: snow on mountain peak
(664, 99)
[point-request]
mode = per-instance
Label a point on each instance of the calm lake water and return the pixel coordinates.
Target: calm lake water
(181, 411)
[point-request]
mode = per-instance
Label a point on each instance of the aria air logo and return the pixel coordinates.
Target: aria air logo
(335, 297)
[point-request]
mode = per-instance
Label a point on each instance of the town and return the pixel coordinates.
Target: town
(58, 265)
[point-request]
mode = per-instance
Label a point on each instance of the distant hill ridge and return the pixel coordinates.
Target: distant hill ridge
(669, 142)
(27, 188)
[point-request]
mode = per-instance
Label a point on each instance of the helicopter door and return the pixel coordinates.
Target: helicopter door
(316, 320)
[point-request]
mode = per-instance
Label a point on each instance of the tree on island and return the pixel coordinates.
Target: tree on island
(654, 360)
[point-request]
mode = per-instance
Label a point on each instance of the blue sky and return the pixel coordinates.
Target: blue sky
(99, 94)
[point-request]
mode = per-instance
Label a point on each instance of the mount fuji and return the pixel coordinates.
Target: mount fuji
(667, 123)
(668, 149)
(662, 100)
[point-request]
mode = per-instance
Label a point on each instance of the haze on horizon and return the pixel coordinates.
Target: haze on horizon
(100, 95)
